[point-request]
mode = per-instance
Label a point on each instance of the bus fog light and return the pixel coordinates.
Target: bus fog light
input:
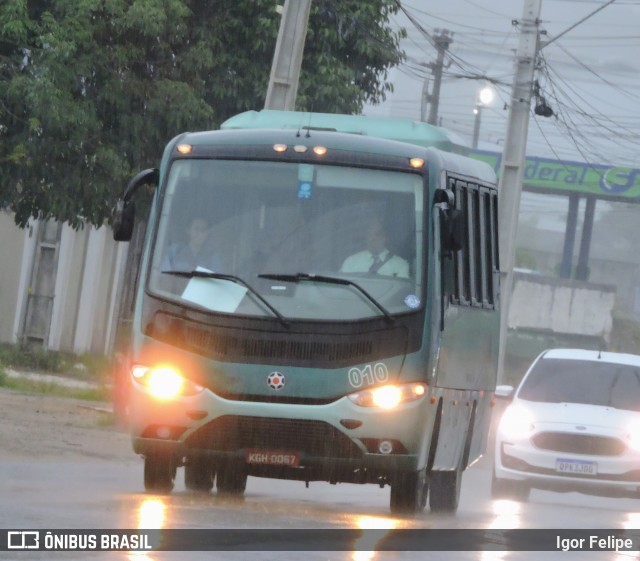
(385, 447)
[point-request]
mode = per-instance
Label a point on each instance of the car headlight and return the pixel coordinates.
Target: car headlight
(390, 396)
(516, 422)
(164, 382)
(634, 436)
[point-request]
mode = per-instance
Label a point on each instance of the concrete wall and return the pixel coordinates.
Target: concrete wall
(11, 257)
(559, 306)
(607, 265)
(85, 303)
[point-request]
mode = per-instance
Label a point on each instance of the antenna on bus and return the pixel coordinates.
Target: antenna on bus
(300, 125)
(309, 125)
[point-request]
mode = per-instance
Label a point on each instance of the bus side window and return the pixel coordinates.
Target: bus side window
(475, 265)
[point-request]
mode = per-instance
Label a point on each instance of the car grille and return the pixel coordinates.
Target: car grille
(510, 462)
(230, 433)
(579, 443)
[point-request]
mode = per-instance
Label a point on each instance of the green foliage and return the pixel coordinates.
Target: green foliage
(100, 393)
(31, 359)
(87, 366)
(91, 90)
(524, 260)
(625, 336)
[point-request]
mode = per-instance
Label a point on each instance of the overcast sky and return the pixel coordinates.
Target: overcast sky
(589, 76)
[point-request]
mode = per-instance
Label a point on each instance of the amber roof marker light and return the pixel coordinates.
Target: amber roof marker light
(184, 148)
(416, 163)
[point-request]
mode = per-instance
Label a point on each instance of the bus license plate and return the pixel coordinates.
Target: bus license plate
(272, 457)
(576, 466)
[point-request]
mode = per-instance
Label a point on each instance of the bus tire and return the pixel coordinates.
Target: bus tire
(159, 473)
(198, 475)
(444, 490)
(231, 479)
(409, 492)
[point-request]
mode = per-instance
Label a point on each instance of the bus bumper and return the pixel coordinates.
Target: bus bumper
(336, 441)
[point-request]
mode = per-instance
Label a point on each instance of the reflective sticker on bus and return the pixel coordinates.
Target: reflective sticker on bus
(412, 301)
(377, 373)
(304, 190)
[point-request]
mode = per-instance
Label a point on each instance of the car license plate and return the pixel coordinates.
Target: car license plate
(272, 457)
(580, 467)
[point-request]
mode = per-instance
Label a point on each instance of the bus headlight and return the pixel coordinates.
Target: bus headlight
(164, 382)
(389, 397)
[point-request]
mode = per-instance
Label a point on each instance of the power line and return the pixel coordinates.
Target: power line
(578, 23)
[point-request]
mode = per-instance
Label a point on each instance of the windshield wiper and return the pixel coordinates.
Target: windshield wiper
(232, 278)
(329, 280)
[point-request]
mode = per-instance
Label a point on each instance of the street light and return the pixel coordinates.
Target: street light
(484, 98)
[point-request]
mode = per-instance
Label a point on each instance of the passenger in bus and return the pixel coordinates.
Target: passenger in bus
(195, 253)
(376, 258)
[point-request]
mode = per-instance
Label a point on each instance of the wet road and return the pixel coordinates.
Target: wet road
(88, 493)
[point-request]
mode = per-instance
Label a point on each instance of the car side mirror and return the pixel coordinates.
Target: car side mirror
(504, 391)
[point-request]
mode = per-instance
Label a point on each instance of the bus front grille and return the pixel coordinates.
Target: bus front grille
(319, 350)
(230, 433)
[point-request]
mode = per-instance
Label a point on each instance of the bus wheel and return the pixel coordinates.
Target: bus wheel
(231, 479)
(159, 473)
(198, 475)
(444, 490)
(409, 493)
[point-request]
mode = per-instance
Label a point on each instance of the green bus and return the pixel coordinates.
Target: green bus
(314, 302)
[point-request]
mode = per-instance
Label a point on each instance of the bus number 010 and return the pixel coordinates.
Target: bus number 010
(369, 375)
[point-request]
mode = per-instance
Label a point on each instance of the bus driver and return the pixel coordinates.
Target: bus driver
(376, 258)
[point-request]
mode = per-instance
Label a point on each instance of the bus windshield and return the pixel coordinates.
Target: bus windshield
(296, 241)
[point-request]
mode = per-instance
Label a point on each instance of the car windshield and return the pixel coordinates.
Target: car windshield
(580, 381)
(299, 240)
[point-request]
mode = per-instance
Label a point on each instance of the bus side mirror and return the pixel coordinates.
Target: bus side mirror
(453, 230)
(124, 212)
(122, 220)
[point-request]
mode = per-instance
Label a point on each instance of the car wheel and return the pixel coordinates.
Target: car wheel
(509, 489)
(409, 493)
(444, 490)
(159, 473)
(231, 479)
(198, 475)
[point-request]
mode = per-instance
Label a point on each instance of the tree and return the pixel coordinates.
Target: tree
(91, 90)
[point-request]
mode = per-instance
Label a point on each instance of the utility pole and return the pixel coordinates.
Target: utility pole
(476, 125)
(425, 98)
(442, 42)
(287, 57)
(513, 159)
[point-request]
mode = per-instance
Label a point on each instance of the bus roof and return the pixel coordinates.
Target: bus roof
(403, 130)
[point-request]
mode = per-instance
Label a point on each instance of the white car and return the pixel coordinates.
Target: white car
(572, 425)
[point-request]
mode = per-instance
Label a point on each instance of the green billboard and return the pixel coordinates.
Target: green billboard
(542, 174)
